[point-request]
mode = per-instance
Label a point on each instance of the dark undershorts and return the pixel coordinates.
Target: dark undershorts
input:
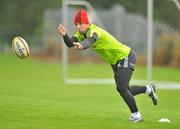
(128, 62)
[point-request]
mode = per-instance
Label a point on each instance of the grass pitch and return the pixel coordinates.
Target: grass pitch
(33, 96)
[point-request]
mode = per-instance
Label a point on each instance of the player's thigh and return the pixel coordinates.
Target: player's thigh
(123, 76)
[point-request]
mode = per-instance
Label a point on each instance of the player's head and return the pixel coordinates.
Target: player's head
(81, 20)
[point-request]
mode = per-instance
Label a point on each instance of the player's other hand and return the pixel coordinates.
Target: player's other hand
(77, 46)
(61, 30)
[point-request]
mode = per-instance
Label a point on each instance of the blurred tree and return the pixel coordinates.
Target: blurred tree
(163, 9)
(166, 11)
(128, 4)
(23, 17)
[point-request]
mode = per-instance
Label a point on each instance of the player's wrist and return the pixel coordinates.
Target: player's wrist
(63, 34)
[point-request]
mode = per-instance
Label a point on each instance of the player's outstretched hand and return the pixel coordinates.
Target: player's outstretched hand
(77, 46)
(61, 30)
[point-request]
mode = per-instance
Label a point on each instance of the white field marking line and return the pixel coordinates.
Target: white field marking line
(159, 84)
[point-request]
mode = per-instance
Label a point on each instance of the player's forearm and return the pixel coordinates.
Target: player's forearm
(69, 41)
(87, 43)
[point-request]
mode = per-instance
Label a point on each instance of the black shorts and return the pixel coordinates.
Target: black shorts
(127, 62)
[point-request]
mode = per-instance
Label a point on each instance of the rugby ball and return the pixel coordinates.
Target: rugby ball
(20, 47)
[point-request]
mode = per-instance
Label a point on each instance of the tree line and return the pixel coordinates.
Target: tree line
(25, 17)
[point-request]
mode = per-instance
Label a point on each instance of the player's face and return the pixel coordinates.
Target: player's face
(82, 27)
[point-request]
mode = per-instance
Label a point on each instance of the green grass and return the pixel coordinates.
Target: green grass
(105, 70)
(33, 96)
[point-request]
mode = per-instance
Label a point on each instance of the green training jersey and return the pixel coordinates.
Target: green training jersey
(105, 45)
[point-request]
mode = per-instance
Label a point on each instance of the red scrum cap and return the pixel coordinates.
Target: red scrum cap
(81, 17)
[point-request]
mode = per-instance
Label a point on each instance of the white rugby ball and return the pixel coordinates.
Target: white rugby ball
(20, 47)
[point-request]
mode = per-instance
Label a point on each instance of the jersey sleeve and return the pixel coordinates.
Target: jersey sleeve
(92, 34)
(79, 36)
(87, 43)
